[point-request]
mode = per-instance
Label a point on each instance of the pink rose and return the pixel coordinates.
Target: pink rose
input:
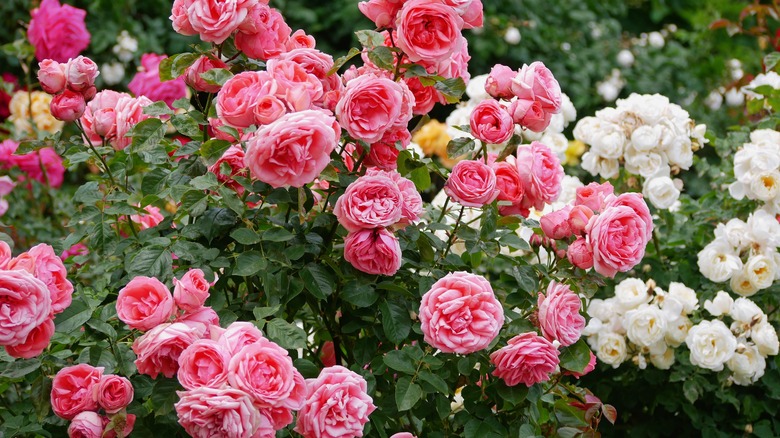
(318, 64)
(43, 165)
(594, 195)
(428, 30)
(113, 393)
(555, 225)
(619, 235)
(57, 31)
(411, 201)
(147, 82)
(48, 268)
(144, 303)
(425, 96)
(296, 86)
(76, 250)
(371, 201)
(203, 364)
(381, 12)
(68, 106)
(5, 254)
(180, 17)
(150, 219)
(580, 253)
(473, 17)
(129, 112)
(337, 405)
(508, 182)
(72, 389)
(87, 424)
(234, 159)
(238, 335)
(51, 75)
(460, 314)
(99, 119)
(588, 368)
(559, 314)
(528, 358)
(36, 341)
(541, 172)
(158, 350)
(491, 123)
(454, 66)
(191, 291)
(299, 40)
(636, 202)
(264, 34)
(472, 183)
(81, 74)
(26, 304)
(293, 150)
(530, 115)
(384, 153)
(203, 315)
(328, 354)
(371, 106)
(216, 130)
(402, 435)
(536, 83)
(192, 76)
(376, 251)
(579, 216)
(217, 413)
(216, 20)
(265, 371)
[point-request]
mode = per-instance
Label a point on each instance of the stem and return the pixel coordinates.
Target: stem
(451, 240)
(444, 209)
(100, 157)
(657, 244)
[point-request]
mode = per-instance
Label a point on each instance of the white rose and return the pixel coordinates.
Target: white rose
(608, 90)
(584, 129)
(643, 163)
(476, 89)
(460, 116)
(556, 141)
(760, 270)
(640, 361)
(604, 310)
(765, 186)
(597, 165)
(714, 100)
(754, 159)
(770, 78)
(718, 262)
(680, 152)
(569, 186)
(661, 191)
(734, 97)
(656, 39)
(677, 331)
(611, 349)
(645, 326)
(647, 138)
(711, 344)
(747, 364)
(609, 144)
(735, 232)
(745, 311)
(763, 229)
(593, 327)
(720, 305)
(685, 295)
(764, 336)
(663, 361)
(625, 58)
(765, 136)
(741, 285)
(631, 293)
(512, 35)
(568, 110)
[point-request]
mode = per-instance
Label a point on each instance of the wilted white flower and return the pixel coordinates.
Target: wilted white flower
(663, 361)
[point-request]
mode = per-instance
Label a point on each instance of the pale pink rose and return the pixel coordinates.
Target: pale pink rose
(559, 314)
(472, 183)
(48, 268)
(265, 371)
(371, 201)
(72, 389)
(191, 291)
(158, 350)
(51, 75)
(580, 253)
(234, 159)
(203, 364)
(425, 96)
(299, 40)
(5, 254)
(536, 83)
(453, 66)
(127, 428)
(68, 106)
(411, 201)
(87, 424)
(460, 314)
(428, 30)
(541, 172)
(269, 109)
(375, 251)
(594, 195)
(193, 78)
(217, 413)
(144, 303)
(337, 405)
(81, 73)
(528, 358)
(264, 34)
(238, 335)
(204, 315)
(214, 20)
(36, 341)
(26, 304)
(381, 12)
(636, 202)
(371, 106)
(129, 112)
(473, 16)
(113, 393)
(293, 150)
(588, 368)
(402, 435)
(99, 119)
(6, 185)
(530, 115)
(150, 219)
(619, 235)
(555, 225)
(147, 82)
(180, 18)
(508, 182)
(491, 123)
(460, 6)
(57, 31)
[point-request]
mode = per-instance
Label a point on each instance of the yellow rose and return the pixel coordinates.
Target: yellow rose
(23, 111)
(433, 140)
(573, 152)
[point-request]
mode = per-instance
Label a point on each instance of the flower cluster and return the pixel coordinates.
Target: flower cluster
(43, 165)
(32, 109)
(33, 289)
(757, 170)
(79, 392)
(72, 84)
(744, 253)
(111, 115)
(650, 136)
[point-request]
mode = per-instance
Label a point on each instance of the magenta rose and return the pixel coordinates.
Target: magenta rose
(193, 78)
(372, 201)
(460, 314)
(536, 83)
(555, 225)
(43, 165)
(217, 413)
(472, 183)
(264, 34)
(491, 123)
(428, 30)
(68, 106)
(580, 253)
(265, 371)
(81, 73)
(158, 350)
(87, 424)
(147, 82)
(72, 390)
(51, 75)
(26, 304)
(57, 31)
(371, 106)
(35, 343)
(144, 303)
(238, 335)
(293, 150)
(113, 393)
(191, 291)
(559, 314)
(528, 358)
(203, 364)
(48, 268)
(499, 82)
(375, 251)
(337, 405)
(594, 195)
(541, 172)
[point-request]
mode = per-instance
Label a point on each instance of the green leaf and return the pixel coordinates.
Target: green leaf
(212, 150)
(400, 361)
(206, 181)
(158, 108)
(172, 67)
(151, 261)
(692, 390)
(434, 380)
(370, 38)
(264, 312)
(359, 294)
(217, 76)
(575, 357)
(287, 335)
(512, 394)
(186, 125)
(164, 396)
(249, 263)
(154, 181)
(526, 278)
(88, 194)
(73, 317)
(395, 321)
(452, 89)
(407, 394)
(460, 146)
(216, 221)
(20, 368)
(771, 60)
(147, 135)
(489, 219)
(421, 178)
(381, 56)
(277, 235)
(340, 61)
(318, 280)
(245, 236)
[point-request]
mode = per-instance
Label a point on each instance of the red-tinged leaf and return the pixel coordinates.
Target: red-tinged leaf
(610, 413)
(719, 24)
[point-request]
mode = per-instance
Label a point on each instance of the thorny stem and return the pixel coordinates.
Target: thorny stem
(451, 239)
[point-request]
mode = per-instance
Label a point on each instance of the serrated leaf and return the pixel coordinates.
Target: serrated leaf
(217, 76)
(434, 380)
(460, 146)
(512, 394)
(73, 317)
(370, 38)
(340, 61)
(358, 294)
(318, 280)
(154, 181)
(20, 368)
(399, 361)
(575, 357)
(407, 394)
(277, 235)
(771, 60)
(421, 178)
(249, 263)
(147, 135)
(395, 322)
(212, 150)
(206, 181)
(158, 108)
(452, 89)
(382, 57)
(186, 125)
(245, 236)
(174, 66)
(287, 335)
(151, 261)
(264, 312)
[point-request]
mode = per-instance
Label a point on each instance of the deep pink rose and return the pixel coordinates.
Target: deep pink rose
(237, 335)
(158, 350)
(72, 390)
(203, 364)
(528, 358)
(555, 225)
(328, 354)
(293, 150)
(215, 20)
(530, 115)
(48, 268)
(371, 106)
(541, 172)
(191, 291)
(5, 98)
(265, 371)
(428, 30)
(43, 165)
(375, 251)
(36, 341)
(144, 303)
(619, 235)
(411, 201)
(147, 82)
(113, 393)
(87, 424)
(81, 73)
(472, 183)
(76, 250)
(234, 159)
(299, 40)
(594, 195)
(193, 78)
(559, 314)
(51, 75)
(508, 182)
(149, 219)
(381, 12)
(579, 216)
(264, 34)
(580, 253)
(337, 405)
(26, 304)
(217, 413)
(491, 123)
(536, 83)
(57, 31)
(371, 201)
(460, 314)
(425, 96)
(68, 106)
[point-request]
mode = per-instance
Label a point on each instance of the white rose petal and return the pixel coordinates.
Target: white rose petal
(611, 349)
(745, 311)
(720, 305)
(631, 293)
(764, 336)
(645, 326)
(711, 344)
(718, 262)
(747, 365)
